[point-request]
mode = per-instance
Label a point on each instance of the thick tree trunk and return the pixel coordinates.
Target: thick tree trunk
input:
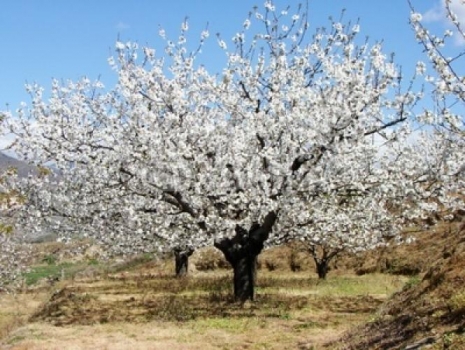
(241, 251)
(244, 277)
(181, 256)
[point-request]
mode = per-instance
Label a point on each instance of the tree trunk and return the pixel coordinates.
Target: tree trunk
(241, 251)
(181, 256)
(322, 257)
(244, 277)
(322, 268)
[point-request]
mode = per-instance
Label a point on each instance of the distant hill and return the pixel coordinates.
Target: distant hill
(23, 168)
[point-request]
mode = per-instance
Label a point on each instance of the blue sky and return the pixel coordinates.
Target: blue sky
(68, 39)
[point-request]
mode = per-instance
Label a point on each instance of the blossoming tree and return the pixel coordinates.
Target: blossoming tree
(297, 138)
(445, 55)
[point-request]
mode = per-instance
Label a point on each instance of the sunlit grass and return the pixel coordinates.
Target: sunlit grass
(196, 311)
(349, 285)
(54, 272)
(15, 310)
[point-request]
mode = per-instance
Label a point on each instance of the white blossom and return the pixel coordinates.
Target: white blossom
(420, 68)
(222, 44)
(415, 17)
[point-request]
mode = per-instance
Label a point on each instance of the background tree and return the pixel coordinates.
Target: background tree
(445, 55)
(14, 249)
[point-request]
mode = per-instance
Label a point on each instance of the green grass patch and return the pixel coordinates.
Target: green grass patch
(370, 284)
(232, 325)
(16, 339)
(412, 282)
(51, 271)
(378, 284)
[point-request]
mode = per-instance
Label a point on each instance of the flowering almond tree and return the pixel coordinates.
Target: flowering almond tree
(299, 136)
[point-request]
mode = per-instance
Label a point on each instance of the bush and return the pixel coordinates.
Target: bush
(209, 259)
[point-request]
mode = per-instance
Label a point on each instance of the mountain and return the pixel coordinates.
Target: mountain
(23, 168)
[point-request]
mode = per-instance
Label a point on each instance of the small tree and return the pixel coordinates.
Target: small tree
(181, 255)
(351, 225)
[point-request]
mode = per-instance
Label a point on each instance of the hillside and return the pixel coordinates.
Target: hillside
(23, 168)
(430, 309)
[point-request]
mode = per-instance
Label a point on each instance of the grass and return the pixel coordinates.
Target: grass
(15, 310)
(334, 285)
(48, 271)
(149, 309)
(139, 305)
(52, 271)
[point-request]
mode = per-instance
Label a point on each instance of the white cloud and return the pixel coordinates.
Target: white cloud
(122, 26)
(458, 7)
(5, 142)
(438, 13)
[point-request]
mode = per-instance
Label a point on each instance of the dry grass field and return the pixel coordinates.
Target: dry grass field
(366, 302)
(147, 308)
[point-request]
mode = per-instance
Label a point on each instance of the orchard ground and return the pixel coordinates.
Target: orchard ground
(366, 302)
